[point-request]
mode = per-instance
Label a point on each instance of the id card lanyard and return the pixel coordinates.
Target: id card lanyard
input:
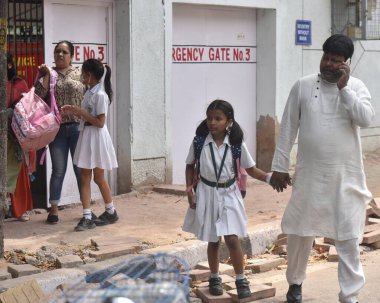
(217, 175)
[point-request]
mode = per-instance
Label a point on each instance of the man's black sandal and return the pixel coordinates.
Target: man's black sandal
(294, 294)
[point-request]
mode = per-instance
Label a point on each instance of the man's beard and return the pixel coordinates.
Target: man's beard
(330, 76)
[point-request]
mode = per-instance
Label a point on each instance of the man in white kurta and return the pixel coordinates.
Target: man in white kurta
(329, 195)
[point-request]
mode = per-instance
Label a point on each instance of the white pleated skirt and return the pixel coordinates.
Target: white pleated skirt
(95, 149)
(219, 212)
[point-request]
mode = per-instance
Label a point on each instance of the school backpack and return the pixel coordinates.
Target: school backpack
(34, 123)
(240, 172)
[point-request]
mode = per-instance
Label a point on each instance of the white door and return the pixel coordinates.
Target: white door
(88, 26)
(213, 57)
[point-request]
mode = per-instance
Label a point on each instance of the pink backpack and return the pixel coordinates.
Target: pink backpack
(34, 123)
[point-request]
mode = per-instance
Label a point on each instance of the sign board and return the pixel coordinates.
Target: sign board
(29, 56)
(213, 54)
(84, 51)
(303, 32)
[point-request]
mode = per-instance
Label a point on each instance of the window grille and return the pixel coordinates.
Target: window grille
(25, 36)
(359, 19)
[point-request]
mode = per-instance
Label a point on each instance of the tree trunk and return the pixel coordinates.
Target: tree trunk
(3, 117)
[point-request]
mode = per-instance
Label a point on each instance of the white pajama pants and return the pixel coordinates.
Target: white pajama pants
(350, 271)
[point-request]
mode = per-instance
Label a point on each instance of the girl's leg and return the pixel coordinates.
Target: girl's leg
(213, 256)
(102, 184)
(236, 253)
(237, 258)
(59, 151)
(86, 222)
(86, 176)
(109, 216)
(215, 283)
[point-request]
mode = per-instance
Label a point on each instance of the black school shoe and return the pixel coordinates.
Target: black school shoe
(242, 287)
(294, 294)
(85, 224)
(215, 286)
(52, 219)
(106, 218)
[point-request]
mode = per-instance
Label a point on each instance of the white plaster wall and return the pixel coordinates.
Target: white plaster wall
(366, 66)
(295, 61)
(147, 90)
(150, 30)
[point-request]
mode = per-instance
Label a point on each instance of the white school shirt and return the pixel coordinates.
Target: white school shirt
(206, 164)
(329, 193)
(220, 211)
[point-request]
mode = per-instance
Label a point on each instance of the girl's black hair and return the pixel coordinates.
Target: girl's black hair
(69, 45)
(96, 68)
(236, 133)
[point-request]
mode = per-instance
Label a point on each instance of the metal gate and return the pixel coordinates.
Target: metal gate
(25, 36)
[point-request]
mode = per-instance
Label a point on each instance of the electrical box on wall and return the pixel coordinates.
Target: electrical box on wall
(354, 32)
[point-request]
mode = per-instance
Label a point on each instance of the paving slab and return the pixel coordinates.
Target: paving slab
(69, 261)
(4, 275)
(27, 292)
(112, 251)
(333, 255)
(49, 280)
(22, 270)
(206, 297)
(199, 274)
(265, 264)
(224, 269)
(259, 291)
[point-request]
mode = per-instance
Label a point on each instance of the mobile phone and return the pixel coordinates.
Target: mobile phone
(348, 61)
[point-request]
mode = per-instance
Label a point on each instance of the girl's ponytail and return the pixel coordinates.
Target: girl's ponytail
(202, 129)
(107, 83)
(236, 134)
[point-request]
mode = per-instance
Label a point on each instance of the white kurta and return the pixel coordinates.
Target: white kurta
(220, 211)
(94, 147)
(329, 194)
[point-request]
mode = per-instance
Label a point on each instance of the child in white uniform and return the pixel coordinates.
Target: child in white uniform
(216, 205)
(94, 151)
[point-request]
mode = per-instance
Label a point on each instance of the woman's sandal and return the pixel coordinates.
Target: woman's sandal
(24, 217)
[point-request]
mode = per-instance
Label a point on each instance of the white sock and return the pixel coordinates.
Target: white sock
(240, 276)
(214, 275)
(110, 208)
(87, 213)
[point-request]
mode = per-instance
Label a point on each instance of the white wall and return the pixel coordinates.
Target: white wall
(277, 70)
(96, 18)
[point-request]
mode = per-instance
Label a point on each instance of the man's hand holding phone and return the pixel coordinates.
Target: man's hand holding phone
(344, 70)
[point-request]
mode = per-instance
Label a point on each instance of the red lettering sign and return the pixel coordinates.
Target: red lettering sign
(86, 51)
(213, 54)
(29, 57)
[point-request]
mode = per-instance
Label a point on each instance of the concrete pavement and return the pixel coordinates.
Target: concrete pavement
(321, 284)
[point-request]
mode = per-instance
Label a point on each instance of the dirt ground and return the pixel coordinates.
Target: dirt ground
(153, 218)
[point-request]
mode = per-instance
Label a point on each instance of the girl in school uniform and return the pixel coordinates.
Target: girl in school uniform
(216, 206)
(94, 152)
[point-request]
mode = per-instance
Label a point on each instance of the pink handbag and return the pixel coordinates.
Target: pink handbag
(34, 123)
